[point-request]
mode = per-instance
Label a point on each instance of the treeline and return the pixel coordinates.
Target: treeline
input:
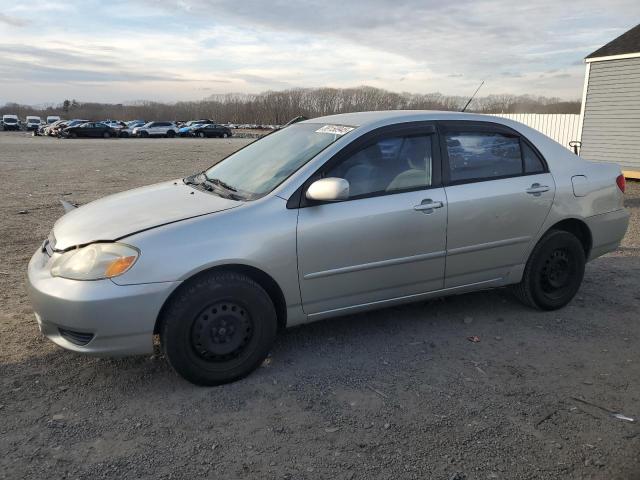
(278, 107)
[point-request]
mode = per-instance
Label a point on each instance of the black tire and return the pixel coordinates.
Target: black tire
(225, 135)
(201, 134)
(124, 135)
(106, 135)
(171, 134)
(553, 273)
(218, 328)
(73, 135)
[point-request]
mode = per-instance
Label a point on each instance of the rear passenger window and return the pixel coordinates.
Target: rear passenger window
(482, 156)
(532, 162)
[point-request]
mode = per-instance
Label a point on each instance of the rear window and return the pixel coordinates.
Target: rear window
(481, 156)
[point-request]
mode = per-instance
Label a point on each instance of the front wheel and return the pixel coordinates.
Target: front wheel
(201, 134)
(225, 135)
(171, 134)
(553, 273)
(218, 328)
(106, 135)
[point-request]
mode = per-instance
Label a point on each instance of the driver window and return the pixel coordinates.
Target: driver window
(390, 165)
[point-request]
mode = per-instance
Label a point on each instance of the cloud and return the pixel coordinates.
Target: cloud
(176, 49)
(13, 21)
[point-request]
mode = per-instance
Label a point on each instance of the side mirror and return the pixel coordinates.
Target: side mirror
(328, 190)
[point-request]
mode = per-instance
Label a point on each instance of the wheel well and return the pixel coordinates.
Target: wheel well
(579, 229)
(261, 278)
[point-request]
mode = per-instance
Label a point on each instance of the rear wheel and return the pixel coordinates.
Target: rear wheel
(201, 134)
(225, 135)
(73, 135)
(219, 328)
(144, 134)
(553, 273)
(171, 134)
(106, 135)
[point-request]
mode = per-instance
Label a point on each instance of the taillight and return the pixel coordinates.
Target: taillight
(621, 183)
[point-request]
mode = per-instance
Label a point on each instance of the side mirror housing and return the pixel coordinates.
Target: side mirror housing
(328, 190)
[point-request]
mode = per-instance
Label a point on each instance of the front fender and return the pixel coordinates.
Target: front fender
(259, 234)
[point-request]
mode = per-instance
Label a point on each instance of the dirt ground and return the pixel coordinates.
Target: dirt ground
(399, 393)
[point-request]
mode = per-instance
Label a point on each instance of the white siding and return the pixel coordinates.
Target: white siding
(562, 127)
(611, 124)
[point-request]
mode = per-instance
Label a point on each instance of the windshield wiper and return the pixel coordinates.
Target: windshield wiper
(193, 179)
(220, 183)
(214, 185)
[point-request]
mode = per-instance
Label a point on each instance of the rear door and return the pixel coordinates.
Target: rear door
(499, 192)
(157, 129)
(95, 130)
(84, 129)
(388, 239)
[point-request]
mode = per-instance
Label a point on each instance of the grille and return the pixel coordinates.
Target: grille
(77, 338)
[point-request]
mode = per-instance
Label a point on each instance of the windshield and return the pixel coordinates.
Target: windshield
(10, 120)
(261, 166)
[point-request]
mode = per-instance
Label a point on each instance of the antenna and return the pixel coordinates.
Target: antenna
(474, 94)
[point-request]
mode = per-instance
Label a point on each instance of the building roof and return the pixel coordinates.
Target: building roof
(628, 42)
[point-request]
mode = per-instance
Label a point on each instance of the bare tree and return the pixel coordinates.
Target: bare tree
(277, 107)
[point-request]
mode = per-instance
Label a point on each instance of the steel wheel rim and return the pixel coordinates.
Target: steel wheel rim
(557, 271)
(221, 331)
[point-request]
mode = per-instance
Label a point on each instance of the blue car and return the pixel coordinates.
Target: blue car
(186, 130)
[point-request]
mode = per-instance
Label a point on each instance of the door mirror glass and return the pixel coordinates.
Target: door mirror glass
(329, 190)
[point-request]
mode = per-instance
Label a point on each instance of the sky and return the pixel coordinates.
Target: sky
(171, 50)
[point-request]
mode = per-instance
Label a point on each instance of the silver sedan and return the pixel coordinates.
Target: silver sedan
(323, 218)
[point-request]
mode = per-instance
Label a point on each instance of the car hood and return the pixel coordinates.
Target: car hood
(116, 216)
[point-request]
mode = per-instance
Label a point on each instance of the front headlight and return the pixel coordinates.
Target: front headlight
(95, 261)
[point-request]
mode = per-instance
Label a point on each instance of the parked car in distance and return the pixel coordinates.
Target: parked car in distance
(272, 236)
(90, 130)
(115, 124)
(186, 129)
(58, 128)
(156, 129)
(49, 128)
(128, 130)
(10, 122)
(52, 118)
(211, 130)
(32, 123)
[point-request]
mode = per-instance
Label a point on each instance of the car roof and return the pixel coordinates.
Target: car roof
(365, 119)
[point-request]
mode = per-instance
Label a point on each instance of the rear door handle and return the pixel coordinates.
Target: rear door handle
(427, 206)
(536, 189)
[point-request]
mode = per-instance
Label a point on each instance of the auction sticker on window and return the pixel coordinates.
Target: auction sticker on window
(335, 129)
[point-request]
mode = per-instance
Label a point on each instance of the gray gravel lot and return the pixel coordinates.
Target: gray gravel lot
(398, 393)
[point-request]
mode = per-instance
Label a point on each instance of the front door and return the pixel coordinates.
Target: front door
(499, 193)
(388, 239)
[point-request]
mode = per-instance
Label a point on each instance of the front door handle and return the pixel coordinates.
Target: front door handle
(536, 189)
(427, 206)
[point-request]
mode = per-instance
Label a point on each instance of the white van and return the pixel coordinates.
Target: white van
(10, 122)
(32, 122)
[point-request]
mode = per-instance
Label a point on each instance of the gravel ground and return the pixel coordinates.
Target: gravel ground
(398, 393)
